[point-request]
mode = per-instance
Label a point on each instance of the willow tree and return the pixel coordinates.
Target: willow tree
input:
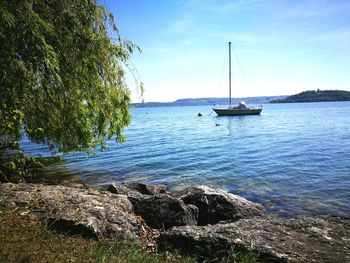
(62, 77)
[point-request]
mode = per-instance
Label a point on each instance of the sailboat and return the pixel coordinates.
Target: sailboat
(241, 108)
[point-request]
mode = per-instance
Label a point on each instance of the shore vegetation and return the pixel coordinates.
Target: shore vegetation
(316, 96)
(26, 240)
(62, 78)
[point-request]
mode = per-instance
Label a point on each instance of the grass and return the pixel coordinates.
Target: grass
(124, 252)
(247, 256)
(26, 240)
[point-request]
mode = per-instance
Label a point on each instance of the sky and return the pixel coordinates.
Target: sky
(280, 47)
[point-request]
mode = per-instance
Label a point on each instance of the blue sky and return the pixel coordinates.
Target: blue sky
(280, 47)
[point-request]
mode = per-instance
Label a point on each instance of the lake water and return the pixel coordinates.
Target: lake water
(293, 158)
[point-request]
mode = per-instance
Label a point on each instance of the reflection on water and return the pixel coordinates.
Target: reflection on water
(293, 158)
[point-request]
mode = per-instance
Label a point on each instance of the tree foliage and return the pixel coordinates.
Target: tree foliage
(62, 74)
(316, 96)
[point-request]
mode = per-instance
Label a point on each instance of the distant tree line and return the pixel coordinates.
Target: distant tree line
(316, 96)
(208, 101)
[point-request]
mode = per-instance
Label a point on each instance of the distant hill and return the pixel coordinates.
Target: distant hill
(316, 96)
(208, 101)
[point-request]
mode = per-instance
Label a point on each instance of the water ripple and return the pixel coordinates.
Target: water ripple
(294, 158)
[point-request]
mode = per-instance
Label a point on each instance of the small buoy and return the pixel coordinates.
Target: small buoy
(200, 114)
(217, 124)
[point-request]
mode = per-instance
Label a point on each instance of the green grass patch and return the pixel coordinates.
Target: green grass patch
(26, 240)
(243, 256)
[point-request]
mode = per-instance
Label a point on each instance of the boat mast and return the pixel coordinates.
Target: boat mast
(229, 73)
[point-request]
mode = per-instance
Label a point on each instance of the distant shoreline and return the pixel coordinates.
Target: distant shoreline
(316, 96)
(208, 101)
(305, 96)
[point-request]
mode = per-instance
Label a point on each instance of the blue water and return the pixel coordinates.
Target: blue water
(293, 158)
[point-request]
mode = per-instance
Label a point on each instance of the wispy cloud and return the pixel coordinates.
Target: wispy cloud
(215, 7)
(184, 43)
(180, 26)
(339, 37)
(311, 8)
(166, 47)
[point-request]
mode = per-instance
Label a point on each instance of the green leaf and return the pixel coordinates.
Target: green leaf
(63, 80)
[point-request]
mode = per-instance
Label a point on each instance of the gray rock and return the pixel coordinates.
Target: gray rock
(159, 210)
(217, 205)
(77, 209)
(147, 189)
(96, 213)
(321, 239)
(163, 211)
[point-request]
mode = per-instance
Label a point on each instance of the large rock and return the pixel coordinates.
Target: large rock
(77, 209)
(196, 205)
(158, 209)
(217, 205)
(95, 213)
(147, 189)
(163, 211)
(322, 239)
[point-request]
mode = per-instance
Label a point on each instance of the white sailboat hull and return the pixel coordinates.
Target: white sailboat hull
(237, 112)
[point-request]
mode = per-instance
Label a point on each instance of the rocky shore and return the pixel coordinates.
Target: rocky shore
(199, 221)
